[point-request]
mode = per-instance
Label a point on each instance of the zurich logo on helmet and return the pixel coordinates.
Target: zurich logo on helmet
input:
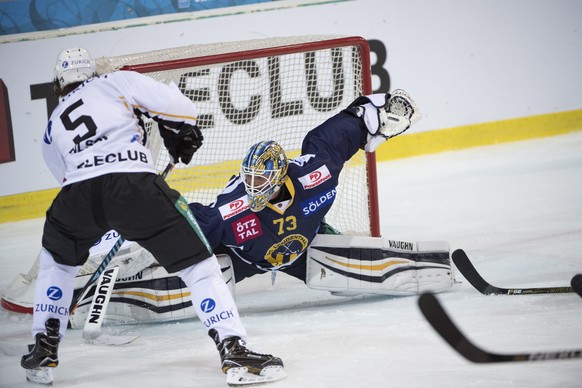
(65, 64)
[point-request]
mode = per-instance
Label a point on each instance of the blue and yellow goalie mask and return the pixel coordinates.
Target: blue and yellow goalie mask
(263, 171)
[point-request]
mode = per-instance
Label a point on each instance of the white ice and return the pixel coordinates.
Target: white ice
(516, 209)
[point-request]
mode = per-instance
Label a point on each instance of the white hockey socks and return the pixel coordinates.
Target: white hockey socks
(212, 299)
(53, 293)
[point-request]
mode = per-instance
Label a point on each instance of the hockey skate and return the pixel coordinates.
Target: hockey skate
(243, 366)
(43, 355)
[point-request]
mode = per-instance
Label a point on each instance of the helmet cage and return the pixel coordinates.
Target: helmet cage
(263, 172)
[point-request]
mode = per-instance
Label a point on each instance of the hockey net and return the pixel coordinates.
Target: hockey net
(249, 91)
(268, 89)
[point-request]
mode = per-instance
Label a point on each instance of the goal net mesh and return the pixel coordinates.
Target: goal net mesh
(268, 89)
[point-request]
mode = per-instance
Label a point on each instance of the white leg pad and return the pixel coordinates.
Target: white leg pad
(151, 295)
(351, 265)
(131, 259)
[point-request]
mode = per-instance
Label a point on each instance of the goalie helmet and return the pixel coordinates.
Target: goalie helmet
(73, 65)
(263, 171)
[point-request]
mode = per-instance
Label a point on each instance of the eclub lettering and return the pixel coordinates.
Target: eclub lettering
(99, 160)
(44, 91)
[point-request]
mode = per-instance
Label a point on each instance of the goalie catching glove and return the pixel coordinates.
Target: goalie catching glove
(385, 115)
(181, 142)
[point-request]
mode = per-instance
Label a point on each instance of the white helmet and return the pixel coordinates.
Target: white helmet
(74, 65)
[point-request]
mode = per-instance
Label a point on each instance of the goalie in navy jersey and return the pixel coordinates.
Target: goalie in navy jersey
(281, 206)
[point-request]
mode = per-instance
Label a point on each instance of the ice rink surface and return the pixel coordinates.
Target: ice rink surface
(515, 208)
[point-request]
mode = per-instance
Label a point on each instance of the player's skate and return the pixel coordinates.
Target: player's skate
(399, 113)
(243, 366)
(43, 355)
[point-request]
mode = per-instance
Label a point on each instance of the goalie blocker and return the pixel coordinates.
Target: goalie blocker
(344, 265)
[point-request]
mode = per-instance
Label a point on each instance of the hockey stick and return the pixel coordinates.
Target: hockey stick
(107, 259)
(442, 323)
(97, 311)
(466, 268)
(96, 314)
(576, 283)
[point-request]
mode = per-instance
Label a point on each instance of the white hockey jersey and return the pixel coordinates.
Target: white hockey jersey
(95, 129)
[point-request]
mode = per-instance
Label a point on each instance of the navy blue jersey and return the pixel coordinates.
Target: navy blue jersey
(277, 235)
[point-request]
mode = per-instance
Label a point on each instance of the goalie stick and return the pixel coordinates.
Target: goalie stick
(96, 314)
(576, 283)
(97, 311)
(444, 326)
(467, 269)
(107, 259)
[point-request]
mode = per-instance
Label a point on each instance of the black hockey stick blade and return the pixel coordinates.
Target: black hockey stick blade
(444, 326)
(577, 284)
(466, 268)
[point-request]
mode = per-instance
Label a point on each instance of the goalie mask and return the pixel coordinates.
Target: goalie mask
(263, 171)
(73, 65)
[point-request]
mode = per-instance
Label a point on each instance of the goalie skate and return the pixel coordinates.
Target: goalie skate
(245, 367)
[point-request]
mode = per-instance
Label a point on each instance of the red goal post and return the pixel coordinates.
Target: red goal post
(275, 88)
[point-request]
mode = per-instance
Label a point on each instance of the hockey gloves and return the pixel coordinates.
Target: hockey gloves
(385, 115)
(181, 142)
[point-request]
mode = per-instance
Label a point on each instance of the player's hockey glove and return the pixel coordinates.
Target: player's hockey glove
(181, 142)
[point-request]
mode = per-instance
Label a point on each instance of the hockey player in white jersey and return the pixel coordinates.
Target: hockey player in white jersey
(94, 145)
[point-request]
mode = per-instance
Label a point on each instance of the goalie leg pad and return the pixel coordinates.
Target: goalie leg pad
(351, 265)
(142, 294)
(151, 295)
(131, 258)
